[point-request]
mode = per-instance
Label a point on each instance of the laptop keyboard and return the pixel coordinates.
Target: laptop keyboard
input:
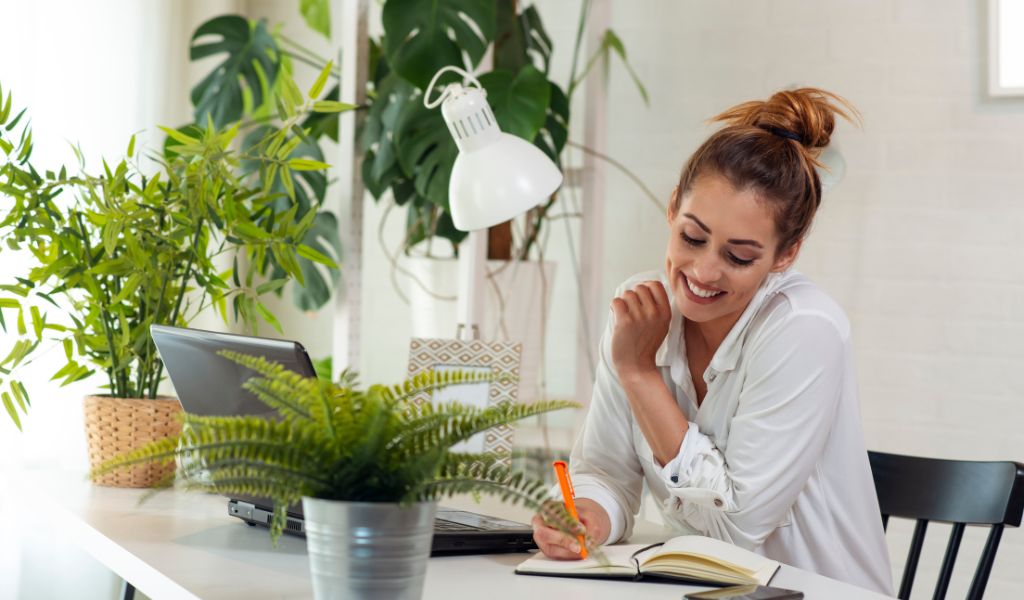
(442, 525)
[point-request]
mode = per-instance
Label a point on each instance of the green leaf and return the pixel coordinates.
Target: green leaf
(37, 321)
(270, 286)
(131, 147)
(69, 348)
(317, 14)
(9, 405)
(251, 231)
(305, 164)
(426, 151)
(22, 400)
(418, 36)
(178, 136)
(318, 281)
(519, 101)
(332, 106)
(321, 81)
(310, 254)
(219, 94)
(268, 316)
(611, 40)
(286, 180)
(9, 303)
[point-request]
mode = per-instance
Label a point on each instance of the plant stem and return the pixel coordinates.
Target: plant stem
(302, 59)
(584, 9)
(310, 54)
(185, 276)
(536, 227)
(104, 313)
(625, 171)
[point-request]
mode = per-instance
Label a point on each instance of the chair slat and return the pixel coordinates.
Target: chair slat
(988, 557)
(946, 572)
(916, 543)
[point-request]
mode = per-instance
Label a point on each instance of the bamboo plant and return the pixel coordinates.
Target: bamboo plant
(115, 251)
(334, 441)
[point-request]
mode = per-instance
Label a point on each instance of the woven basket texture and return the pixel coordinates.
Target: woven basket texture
(114, 426)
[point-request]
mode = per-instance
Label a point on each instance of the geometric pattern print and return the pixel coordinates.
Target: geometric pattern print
(501, 357)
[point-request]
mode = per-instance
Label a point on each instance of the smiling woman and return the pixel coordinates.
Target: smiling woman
(726, 384)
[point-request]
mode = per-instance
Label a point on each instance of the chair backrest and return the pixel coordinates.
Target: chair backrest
(954, 491)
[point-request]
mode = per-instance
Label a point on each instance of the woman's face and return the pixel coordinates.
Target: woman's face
(720, 249)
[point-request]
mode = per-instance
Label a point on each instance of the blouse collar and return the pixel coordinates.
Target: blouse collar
(672, 352)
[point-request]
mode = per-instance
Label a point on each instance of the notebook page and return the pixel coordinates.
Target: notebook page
(620, 557)
(733, 558)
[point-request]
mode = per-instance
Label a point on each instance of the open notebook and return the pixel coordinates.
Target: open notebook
(691, 558)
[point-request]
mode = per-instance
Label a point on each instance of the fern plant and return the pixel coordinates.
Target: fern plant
(333, 441)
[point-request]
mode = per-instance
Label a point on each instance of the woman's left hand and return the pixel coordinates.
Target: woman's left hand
(642, 317)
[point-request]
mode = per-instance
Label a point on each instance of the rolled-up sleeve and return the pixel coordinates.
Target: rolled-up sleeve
(605, 467)
(777, 436)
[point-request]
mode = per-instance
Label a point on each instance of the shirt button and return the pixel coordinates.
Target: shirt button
(675, 479)
(718, 502)
(712, 376)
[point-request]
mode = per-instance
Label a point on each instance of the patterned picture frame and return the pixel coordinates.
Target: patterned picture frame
(473, 355)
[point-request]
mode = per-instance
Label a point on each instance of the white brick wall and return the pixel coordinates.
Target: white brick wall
(920, 243)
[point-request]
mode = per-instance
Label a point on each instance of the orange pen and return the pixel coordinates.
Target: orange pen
(568, 495)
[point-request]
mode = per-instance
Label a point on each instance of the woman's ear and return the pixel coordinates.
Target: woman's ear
(787, 257)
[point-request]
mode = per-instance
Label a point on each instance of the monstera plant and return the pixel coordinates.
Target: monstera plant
(408, 149)
(250, 82)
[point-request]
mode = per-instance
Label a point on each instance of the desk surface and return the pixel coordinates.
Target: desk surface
(184, 546)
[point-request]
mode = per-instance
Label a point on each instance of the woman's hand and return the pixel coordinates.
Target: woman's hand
(556, 544)
(642, 317)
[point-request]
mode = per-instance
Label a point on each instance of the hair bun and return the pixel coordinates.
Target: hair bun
(809, 113)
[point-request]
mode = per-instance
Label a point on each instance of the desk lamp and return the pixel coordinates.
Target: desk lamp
(496, 176)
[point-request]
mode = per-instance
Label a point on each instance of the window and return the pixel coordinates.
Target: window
(1006, 47)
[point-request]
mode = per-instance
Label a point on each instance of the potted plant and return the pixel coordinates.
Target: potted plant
(409, 154)
(368, 466)
(408, 151)
(117, 251)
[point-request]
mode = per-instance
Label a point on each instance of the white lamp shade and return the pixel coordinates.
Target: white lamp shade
(498, 181)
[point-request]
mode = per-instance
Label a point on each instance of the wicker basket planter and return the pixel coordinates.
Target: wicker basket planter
(115, 425)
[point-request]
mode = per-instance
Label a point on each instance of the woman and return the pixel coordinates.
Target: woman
(727, 383)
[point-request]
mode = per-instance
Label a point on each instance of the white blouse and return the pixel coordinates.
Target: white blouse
(774, 458)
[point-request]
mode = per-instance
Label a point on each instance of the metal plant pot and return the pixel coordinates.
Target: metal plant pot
(368, 550)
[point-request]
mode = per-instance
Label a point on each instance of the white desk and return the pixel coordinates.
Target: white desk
(184, 546)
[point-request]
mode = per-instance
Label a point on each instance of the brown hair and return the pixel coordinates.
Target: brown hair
(772, 146)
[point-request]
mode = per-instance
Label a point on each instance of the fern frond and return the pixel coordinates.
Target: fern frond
(464, 422)
(427, 382)
(279, 388)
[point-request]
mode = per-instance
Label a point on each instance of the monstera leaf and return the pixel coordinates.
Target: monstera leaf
(319, 280)
(552, 137)
(419, 39)
(425, 150)
(250, 67)
(519, 100)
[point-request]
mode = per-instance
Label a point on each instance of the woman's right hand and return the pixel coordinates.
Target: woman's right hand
(556, 544)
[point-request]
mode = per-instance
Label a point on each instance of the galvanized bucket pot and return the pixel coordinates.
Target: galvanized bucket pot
(368, 550)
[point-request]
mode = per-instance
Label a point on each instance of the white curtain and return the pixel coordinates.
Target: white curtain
(92, 73)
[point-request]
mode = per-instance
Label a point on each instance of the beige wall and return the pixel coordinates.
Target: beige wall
(920, 243)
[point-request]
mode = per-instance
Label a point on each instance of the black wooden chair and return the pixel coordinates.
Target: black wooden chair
(954, 491)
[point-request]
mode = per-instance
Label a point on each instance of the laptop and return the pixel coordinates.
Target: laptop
(208, 384)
